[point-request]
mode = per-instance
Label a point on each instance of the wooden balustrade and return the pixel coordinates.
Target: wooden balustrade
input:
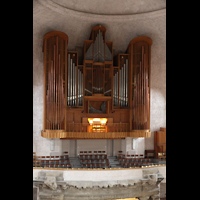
(79, 131)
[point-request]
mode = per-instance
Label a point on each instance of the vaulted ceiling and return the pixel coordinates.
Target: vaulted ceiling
(124, 20)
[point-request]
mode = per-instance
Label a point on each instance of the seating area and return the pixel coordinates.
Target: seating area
(134, 162)
(52, 161)
(95, 159)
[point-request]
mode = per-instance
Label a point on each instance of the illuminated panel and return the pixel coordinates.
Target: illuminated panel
(97, 125)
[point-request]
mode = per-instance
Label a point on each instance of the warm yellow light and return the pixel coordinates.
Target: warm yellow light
(96, 119)
(104, 121)
(99, 121)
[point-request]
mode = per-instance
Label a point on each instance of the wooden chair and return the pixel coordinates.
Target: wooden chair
(96, 156)
(57, 162)
(66, 157)
(97, 165)
(147, 159)
(90, 156)
(128, 156)
(141, 155)
(57, 157)
(88, 161)
(136, 155)
(103, 152)
(133, 155)
(120, 151)
(42, 163)
(47, 157)
(93, 165)
(103, 165)
(100, 156)
(128, 165)
(99, 152)
(84, 165)
(51, 162)
(65, 152)
(62, 162)
(119, 156)
(107, 160)
(68, 165)
(95, 152)
(85, 152)
(136, 164)
(56, 166)
(123, 164)
(52, 157)
(51, 166)
(86, 156)
(89, 152)
(107, 165)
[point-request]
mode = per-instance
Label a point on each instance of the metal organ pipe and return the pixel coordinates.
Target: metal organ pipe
(126, 82)
(68, 80)
(75, 84)
(55, 92)
(123, 86)
(141, 96)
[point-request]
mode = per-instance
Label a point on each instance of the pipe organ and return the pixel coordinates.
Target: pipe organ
(120, 85)
(74, 82)
(54, 47)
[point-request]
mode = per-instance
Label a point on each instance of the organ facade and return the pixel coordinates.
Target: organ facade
(77, 97)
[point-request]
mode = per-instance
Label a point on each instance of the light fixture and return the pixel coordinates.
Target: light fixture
(97, 121)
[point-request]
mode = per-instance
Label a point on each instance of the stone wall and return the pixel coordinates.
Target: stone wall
(65, 184)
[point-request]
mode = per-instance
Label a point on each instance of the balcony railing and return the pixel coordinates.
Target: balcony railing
(114, 127)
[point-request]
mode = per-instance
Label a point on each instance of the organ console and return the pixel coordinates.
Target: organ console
(118, 88)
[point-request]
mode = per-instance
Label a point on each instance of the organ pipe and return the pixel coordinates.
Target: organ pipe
(75, 84)
(123, 86)
(141, 96)
(55, 93)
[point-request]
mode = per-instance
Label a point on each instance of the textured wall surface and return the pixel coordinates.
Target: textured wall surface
(122, 27)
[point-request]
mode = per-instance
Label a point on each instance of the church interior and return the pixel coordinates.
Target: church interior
(99, 99)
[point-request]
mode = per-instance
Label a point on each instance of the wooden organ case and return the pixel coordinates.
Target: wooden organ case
(115, 89)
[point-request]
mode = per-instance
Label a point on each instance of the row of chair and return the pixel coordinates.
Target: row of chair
(95, 165)
(134, 160)
(134, 164)
(93, 156)
(130, 156)
(53, 165)
(94, 152)
(94, 161)
(62, 157)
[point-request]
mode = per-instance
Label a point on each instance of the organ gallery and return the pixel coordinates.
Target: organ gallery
(78, 97)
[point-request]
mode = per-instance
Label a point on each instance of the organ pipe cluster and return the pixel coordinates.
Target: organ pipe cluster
(99, 46)
(55, 99)
(141, 96)
(121, 81)
(74, 85)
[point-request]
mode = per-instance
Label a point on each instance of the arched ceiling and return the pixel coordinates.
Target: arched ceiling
(112, 7)
(123, 20)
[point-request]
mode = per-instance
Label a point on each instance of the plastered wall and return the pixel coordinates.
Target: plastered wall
(121, 29)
